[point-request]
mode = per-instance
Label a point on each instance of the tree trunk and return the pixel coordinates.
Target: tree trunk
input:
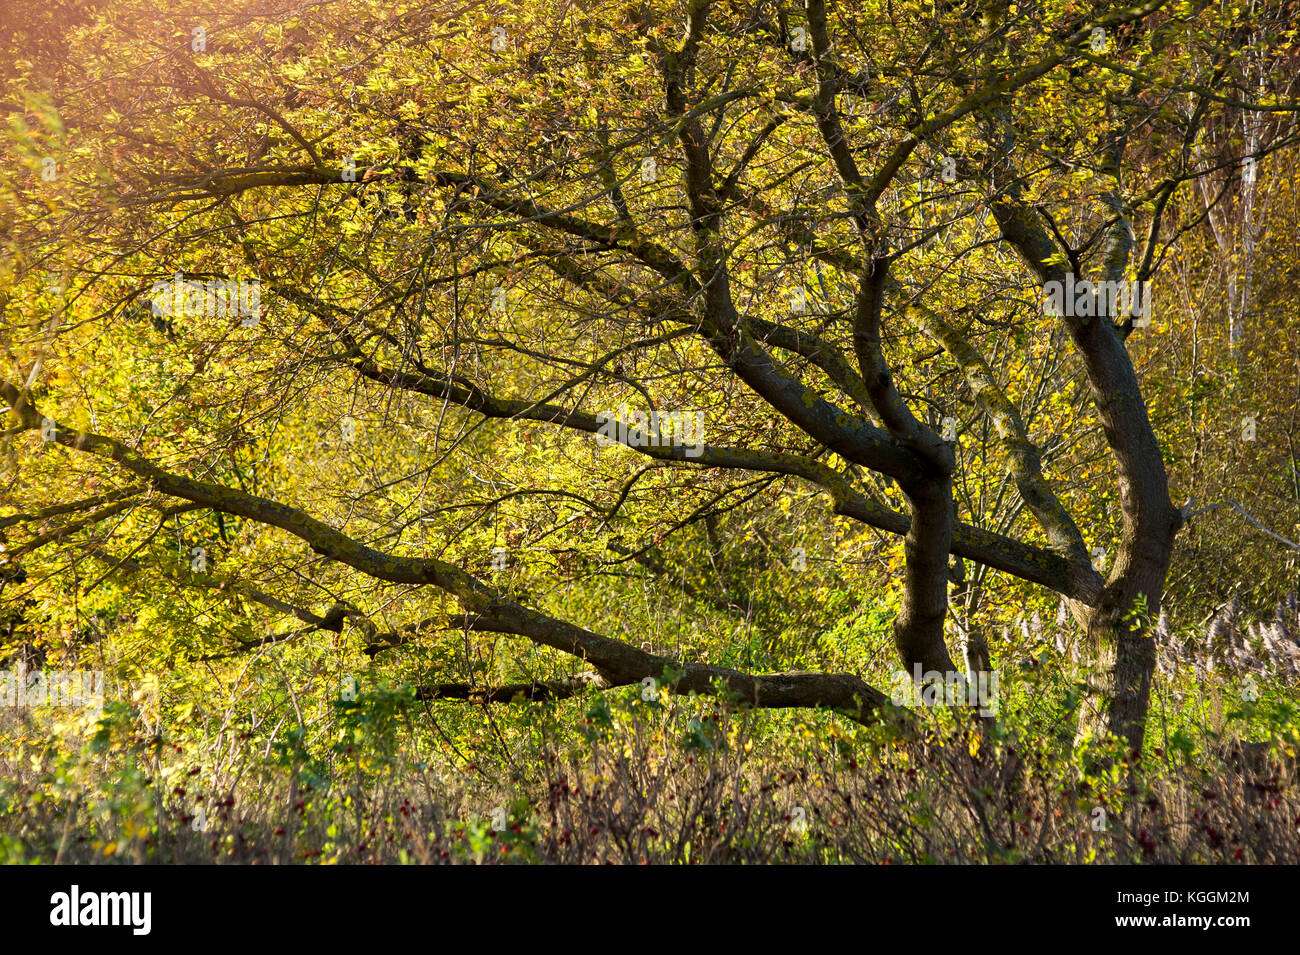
(918, 628)
(1121, 650)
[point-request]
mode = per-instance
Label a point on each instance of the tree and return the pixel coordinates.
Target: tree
(829, 231)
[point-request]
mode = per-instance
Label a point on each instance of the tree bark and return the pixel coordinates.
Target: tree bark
(1122, 654)
(918, 628)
